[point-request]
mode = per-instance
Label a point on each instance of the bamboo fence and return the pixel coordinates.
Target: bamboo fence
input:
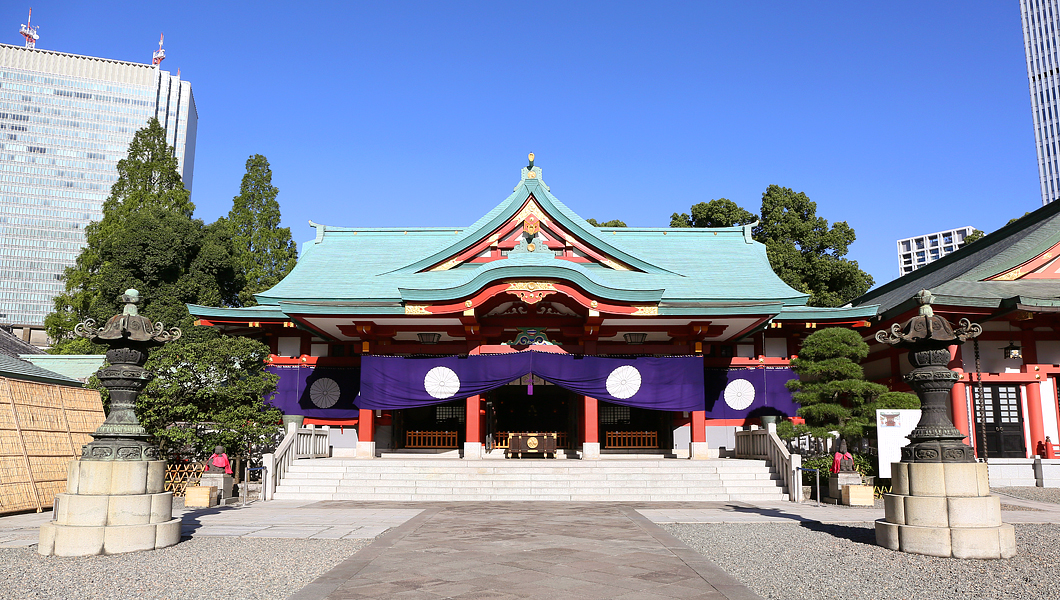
(42, 428)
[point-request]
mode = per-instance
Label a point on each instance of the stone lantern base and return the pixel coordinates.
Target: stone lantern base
(944, 509)
(111, 507)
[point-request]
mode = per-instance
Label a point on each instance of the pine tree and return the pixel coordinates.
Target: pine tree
(831, 387)
(264, 251)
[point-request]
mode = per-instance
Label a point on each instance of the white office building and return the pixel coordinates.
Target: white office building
(65, 122)
(1040, 22)
(915, 252)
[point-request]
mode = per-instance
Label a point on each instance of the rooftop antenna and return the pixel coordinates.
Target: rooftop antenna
(30, 33)
(160, 54)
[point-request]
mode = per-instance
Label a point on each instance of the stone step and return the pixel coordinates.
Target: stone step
(448, 479)
(537, 462)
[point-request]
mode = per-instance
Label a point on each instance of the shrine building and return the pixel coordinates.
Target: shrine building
(531, 320)
(1009, 283)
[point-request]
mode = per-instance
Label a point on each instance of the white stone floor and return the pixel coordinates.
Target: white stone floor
(339, 520)
(277, 519)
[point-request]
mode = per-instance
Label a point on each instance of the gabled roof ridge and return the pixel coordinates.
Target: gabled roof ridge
(980, 259)
(509, 207)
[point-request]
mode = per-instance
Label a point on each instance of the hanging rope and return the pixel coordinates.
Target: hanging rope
(980, 401)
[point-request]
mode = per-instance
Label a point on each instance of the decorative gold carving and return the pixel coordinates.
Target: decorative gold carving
(531, 442)
(530, 247)
(532, 208)
(594, 304)
(416, 309)
(467, 303)
(614, 264)
(531, 292)
(449, 264)
(646, 310)
(1010, 276)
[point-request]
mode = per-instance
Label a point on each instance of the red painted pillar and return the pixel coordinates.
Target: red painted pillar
(590, 421)
(1034, 416)
(472, 420)
(959, 405)
(366, 426)
(699, 426)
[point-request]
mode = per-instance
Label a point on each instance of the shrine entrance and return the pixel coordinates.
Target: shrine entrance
(626, 428)
(550, 409)
(441, 426)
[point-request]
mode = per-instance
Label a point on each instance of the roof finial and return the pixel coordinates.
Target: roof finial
(531, 157)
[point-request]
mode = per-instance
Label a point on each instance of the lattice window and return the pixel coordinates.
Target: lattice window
(614, 415)
(449, 413)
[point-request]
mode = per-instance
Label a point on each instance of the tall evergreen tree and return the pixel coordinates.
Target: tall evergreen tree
(147, 240)
(264, 251)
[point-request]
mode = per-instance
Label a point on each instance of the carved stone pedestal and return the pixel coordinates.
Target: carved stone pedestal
(111, 507)
(944, 509)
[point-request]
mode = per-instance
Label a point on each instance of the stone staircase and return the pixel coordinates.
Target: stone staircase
(449, 479)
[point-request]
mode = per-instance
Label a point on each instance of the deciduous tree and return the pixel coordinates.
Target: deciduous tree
(264, 250)
(716, 213)
(611, 223)
(803, 250)
(209, 393)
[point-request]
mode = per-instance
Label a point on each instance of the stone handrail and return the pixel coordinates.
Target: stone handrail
(306, 442)
(765, 444)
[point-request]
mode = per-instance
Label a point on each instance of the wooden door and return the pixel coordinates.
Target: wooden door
(999, 421)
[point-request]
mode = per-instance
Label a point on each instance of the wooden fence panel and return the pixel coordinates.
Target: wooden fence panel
(42, 428)
(430, 439)
(631, 439)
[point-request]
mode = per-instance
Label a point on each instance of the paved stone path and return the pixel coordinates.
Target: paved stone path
(502, 551)
(507, 550)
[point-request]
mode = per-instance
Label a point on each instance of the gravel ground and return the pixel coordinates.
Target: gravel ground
(811, 561)
(1031, 493)
(247, 568)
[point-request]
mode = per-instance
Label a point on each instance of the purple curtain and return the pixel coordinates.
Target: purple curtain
(743, 393)
(671, 383)
(325, 392)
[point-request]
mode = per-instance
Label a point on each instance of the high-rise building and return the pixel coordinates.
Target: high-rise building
(917, 251)
(65, 122)
(1040, 21)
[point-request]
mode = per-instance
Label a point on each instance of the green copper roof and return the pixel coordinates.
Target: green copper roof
(684, 271)
(956, 279)
(20, 369)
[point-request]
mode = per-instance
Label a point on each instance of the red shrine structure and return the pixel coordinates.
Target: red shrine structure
(533, 276)
(383, 333)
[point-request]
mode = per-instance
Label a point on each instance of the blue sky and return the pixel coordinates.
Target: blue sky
(901, 118)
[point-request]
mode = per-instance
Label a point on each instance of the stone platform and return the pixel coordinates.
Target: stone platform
(111, 507)
(448, 480)
(944, 509)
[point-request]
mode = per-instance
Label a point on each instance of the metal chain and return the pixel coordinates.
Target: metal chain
(981, 401)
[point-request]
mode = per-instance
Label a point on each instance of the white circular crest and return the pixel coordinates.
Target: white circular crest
(623, 382)
(324, 392)
(441, 383)
(739, 394)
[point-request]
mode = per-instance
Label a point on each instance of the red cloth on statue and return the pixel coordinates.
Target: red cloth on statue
(221, 461)
(838, 457)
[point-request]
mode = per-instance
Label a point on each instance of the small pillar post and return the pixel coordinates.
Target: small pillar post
(590, 428)
(473, 429)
